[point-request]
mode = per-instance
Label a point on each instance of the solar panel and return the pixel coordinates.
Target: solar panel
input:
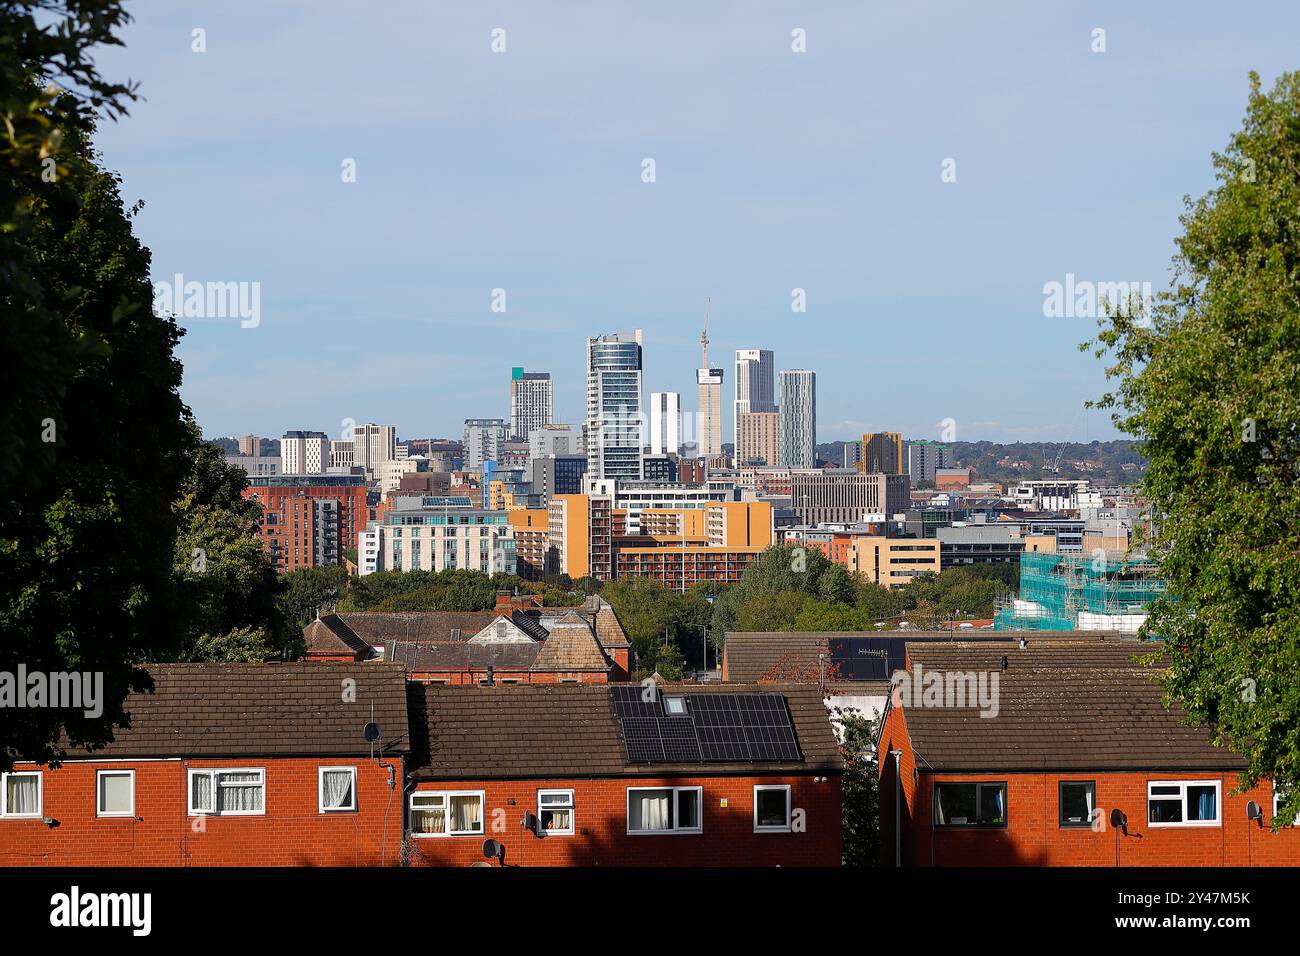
(629, 702)
(679, 740)
(866, 658)
(719, 727)
(644, 745)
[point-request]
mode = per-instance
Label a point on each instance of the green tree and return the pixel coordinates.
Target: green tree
(1210, 384)
(644, 607)
(228, 590)
(93, 423)
(305, 591)
(861, 791)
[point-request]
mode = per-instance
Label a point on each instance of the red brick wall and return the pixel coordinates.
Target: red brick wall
(291, 833)
(893, 737)
(1033, 836)
(600, 807)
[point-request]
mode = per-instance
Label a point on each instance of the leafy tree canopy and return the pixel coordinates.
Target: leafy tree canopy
(1210, 384)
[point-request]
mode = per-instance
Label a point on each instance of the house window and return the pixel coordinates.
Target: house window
(227, 792)
(1278, 795)
(20, 794)
(664, 810)
(337, 789)
(772, 809)
(675, 706)
(1183, 803)
(447, 813)
(115, 793)
(555, 811)
(1078, 801)
(970, 804)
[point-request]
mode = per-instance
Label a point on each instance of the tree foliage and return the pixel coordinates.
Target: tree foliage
(105, 487)
(1210, 384)
(861, 791)
(792, 589)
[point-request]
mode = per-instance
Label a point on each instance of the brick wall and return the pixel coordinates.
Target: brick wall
(1033, 835)
(292, 832)
(600, 808)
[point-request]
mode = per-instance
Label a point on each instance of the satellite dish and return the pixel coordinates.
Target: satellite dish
(1253, 812)
(371, 732)
(1118, 820)
(530, 822)
(493, 850)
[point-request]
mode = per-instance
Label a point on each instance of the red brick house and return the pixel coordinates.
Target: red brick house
(618, 775)
(226, 765)
(509, 644)
(1078, 733)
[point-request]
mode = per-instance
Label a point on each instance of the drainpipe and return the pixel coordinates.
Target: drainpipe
(898, 811)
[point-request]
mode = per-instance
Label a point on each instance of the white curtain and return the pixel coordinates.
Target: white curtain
(338, 788)
(650, 810)
(241, 791)
(201, 798)
(429, 819)
(465, 814)
(22, 793)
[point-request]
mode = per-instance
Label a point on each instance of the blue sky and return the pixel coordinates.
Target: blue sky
(774, 171)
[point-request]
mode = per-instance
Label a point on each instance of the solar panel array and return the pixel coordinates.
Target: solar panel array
(718, 727)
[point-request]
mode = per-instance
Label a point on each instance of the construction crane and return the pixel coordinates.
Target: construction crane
(704, 336)
(1056, 463)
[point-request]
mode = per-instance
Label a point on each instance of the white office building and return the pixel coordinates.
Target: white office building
(305, 453)
(372, 445)
(554, 439)
(665, 423)
(530, 402)
(755, 385)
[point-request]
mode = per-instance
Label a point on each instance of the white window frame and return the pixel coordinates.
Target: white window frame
(320, 789)
(570, 806)
(668, 712)
(1183, 785)
(1277, 794)
(40, 795)
(789, 808)
(674, 830)
(446, 812)
(215, 773)
(99, 794)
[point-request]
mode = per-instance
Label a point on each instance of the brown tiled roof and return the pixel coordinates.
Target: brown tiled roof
(262, 710)
(329, 635)
(753, 654)
(609, 629)
(377, 628)
(1061, 706)
(555, 730)
(464, 657)
(571, 647)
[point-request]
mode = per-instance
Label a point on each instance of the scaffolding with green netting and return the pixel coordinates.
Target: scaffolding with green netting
(1066, 592)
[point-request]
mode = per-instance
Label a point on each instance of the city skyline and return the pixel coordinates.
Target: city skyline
(774, 171)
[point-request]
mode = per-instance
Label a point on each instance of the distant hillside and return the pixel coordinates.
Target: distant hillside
(1103, 462)
(230, 446)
